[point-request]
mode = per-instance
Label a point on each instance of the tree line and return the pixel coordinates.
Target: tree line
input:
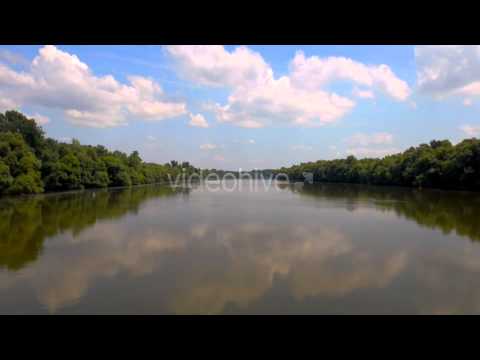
(32, 163)
(438, 164)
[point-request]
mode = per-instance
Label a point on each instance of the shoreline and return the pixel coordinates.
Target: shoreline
(289, 182)
(61, 192)
(389, 186)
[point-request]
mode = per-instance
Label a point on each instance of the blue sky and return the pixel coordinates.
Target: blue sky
(246, 107)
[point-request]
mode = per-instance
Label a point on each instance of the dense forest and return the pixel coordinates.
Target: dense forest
(32, 163)
(437, 165)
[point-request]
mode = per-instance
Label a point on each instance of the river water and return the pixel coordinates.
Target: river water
(249, 249)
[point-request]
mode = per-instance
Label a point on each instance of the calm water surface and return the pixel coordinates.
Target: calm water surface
(300, 249)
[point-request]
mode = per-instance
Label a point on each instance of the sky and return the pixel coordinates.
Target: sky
(246, 107)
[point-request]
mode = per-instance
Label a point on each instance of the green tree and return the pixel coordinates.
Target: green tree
(22, 165)
(5, 178)
(15, 122)
(117, 171)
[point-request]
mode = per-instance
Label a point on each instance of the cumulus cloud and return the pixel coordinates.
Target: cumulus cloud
(212, 65)
(151, 138)
(59, 80)
(219, 158)
(472, 89)
(198, 121)
(99, 119)
(363, 94)
(448, 70)
(467, 102)
(7, 104)
(315, 72)
(370, 139)
(280, 102)
(471, 130)
(258, 99)
(370, 145)
(251, 141)
(40, 119)
(208, 147)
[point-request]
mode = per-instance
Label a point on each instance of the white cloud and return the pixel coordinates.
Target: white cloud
(219, 158)
(367, 145)
(39, 119)
(151, 138)
(314, 72)
(258, 99)
(198, 121)
(156, 110)
(369, 139)
(98, 119)
(278, 101)
(59, 80)
(251, 141)
(208, 147)
(448, 70)
(362, 152)
(302, 147)
(467, 102)
(212, 65)
(471, 130)
(472, 89)
(7, 104)
(363, 94)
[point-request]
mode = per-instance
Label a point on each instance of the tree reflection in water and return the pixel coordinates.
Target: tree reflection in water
(26, 222)
(323, 248)
(448, 211)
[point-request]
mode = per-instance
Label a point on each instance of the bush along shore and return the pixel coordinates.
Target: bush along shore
(31, 163)
(438, 164)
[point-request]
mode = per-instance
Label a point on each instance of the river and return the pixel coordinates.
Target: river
(245, 248)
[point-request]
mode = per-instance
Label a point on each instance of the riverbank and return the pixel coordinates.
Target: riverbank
(438, 164)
